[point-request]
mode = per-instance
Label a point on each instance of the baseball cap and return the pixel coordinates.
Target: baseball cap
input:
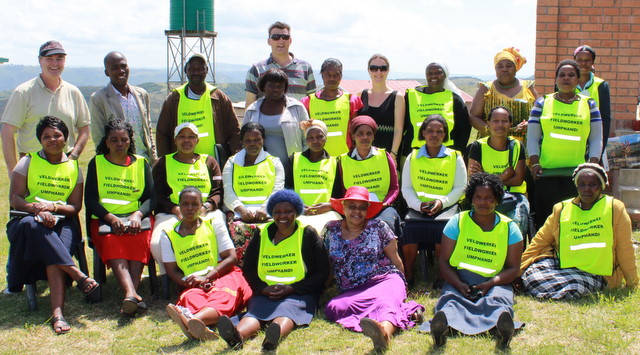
(184, 125)
(50, 48)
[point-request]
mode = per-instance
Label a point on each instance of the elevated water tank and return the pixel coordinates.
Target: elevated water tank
(197, 15)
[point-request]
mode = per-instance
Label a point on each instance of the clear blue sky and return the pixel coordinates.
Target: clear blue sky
(464, 34)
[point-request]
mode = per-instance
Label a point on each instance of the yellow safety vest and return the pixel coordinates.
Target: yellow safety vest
(432, 178)
(50, 182)
(586, 237)
(180, 175)
(483, 253)
(200, 113)
(372, 173)
(253, 184)
(565, 131)
(120, 187)
(313, 181)
(195, 252)
(592, 91)
(422, 105)
(335, 114)
(282, 263)
(495, 161)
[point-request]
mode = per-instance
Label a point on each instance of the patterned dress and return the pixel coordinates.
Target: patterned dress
(371, 286)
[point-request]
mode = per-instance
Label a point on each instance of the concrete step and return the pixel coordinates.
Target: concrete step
(634, 214)
(630, 195)
(629, 177)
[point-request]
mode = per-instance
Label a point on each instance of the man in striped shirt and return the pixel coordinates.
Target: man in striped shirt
(301, 79)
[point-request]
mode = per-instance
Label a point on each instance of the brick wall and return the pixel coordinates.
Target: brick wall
(612, 28)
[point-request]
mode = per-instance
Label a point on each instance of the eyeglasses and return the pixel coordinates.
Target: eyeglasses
(277, 37)
(382, 68)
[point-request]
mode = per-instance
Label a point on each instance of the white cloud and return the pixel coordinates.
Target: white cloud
(463, 33)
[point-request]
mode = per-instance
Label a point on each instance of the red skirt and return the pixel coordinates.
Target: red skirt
(229, 295)
(133, 247)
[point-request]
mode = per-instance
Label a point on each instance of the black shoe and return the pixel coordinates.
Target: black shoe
(271, 337)
(439, 329)
(505, 329)
(229, 333)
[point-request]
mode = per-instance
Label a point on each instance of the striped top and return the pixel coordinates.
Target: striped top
(301, 79)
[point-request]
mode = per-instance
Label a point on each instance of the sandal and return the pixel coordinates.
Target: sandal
(63, 326)
(176, 315)
(142, 308)
(229, 333)
(373, 329)
(199, 330)
(87, 285)
(129, 306)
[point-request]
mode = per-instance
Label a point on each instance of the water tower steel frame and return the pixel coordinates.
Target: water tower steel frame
(183, 43)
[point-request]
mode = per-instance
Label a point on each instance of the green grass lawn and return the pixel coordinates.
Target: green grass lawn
(606, 323)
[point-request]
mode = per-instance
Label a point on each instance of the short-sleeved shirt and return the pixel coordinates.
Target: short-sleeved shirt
(452, 229)
(31, 101)
(359, 260)
(222, 238)
(301, 79)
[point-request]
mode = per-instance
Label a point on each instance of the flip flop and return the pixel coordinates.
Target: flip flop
(142, 308)
(199, 330)
(129, 306)
(60, 329)
(176, 315)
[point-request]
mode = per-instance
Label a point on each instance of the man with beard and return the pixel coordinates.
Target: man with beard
(120, 100)
(205, 106)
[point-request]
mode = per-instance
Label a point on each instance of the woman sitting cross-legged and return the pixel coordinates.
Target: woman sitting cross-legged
(479, 258)
(119, 195)
(200, 257)
(368, 271)
(287, 268)
(584, 245)
(47, 184)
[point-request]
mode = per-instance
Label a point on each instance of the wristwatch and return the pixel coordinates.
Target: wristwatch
(73, 156)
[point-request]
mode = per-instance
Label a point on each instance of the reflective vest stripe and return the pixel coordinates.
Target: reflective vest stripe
(114, 201)
(565, 137)
(484, 270)
(588, 246)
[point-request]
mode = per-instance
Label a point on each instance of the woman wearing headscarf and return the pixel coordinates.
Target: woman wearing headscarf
(312, 174)
(440, 96)
(506, 90)
(333, 106)
(594, 87)
(584, 245)
(371, 167)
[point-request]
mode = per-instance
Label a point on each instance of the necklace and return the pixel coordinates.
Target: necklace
(566, 101)
(515, 82)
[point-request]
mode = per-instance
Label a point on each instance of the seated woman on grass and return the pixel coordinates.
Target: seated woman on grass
(584, 246)
(479, 259)
(200, 257)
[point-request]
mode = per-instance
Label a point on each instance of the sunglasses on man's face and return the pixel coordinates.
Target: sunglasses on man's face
(277, 37)
(378, 67)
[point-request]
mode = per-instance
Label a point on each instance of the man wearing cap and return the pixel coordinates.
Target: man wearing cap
(44, 95)
(202, 104)
(301, 79)
(121, 100)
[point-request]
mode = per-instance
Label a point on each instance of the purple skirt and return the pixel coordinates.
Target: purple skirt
(381, 299)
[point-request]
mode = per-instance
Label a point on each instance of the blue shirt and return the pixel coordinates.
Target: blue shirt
(452, 229)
